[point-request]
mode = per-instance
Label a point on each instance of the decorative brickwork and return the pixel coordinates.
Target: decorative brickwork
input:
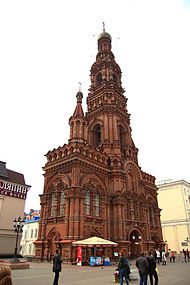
(93, 185)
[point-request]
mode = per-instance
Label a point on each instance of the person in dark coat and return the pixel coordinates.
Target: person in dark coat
(185, 255)
(152, 268)
(122, 268)
(56, 266)
(143, 267)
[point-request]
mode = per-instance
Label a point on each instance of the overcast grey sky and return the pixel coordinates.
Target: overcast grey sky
(47, 47)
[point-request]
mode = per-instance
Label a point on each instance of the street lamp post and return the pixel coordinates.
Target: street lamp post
(18, 228)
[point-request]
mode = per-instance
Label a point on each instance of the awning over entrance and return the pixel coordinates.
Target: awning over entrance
(94, 241)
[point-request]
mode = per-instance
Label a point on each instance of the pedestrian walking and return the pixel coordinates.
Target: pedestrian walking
(152, 268)
(185, 255)
(170, 255)
(122, 265)
(158, 256)
(163, 258)
(143, 267)
(173, 257)
(56, 266)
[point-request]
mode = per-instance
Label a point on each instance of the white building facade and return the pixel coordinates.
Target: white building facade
(30, 234)
(174, 200)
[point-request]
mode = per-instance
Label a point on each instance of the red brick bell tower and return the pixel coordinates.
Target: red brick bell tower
(93, 186)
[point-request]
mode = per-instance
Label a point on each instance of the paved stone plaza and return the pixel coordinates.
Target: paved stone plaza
(41, 274)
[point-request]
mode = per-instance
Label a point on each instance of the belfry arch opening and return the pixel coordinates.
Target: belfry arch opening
(96, 135)
(98, 79)
(122, 135)
(115, 79)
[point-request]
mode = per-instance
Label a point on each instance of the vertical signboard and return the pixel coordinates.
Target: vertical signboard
(79, 256)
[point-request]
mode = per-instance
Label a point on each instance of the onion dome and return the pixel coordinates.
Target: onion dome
(78, 110)
(104, 35)
(79, 96)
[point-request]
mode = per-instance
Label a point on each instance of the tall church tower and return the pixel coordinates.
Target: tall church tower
(93, 186)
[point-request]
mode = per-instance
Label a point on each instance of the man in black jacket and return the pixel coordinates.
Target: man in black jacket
(143, 267)
(56, 266)
(152, 269)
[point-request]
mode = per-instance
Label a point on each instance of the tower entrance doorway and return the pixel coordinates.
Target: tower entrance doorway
(136, 243)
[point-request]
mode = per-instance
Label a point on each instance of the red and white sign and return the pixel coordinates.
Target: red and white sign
(79, 256)
(13, 190)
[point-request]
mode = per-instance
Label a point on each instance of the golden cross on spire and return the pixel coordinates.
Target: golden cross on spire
(80, 84)
(103, 26)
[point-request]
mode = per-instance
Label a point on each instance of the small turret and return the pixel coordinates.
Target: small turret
(78, 122)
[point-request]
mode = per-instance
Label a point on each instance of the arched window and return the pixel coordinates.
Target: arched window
(153, 217)
(130, 182)
(87, 203)
(97, 204)
(121, 135)
(109, 161)
(132, 210)
(77, 129)
(99, 79)
(53, 205)
(62, 203)
(97, 135)
(115, 79)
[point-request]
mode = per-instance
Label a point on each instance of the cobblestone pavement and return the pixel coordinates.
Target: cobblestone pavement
(41, 274)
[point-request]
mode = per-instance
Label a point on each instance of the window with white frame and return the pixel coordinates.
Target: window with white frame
(29, 251)
(36, 233)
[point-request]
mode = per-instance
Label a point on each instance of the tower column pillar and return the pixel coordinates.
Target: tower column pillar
(67, 217)
(76, 217)
(111, 128)
(106, 127)
(115, 127)
(115, 222)
(81, 214)
(71, 217)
